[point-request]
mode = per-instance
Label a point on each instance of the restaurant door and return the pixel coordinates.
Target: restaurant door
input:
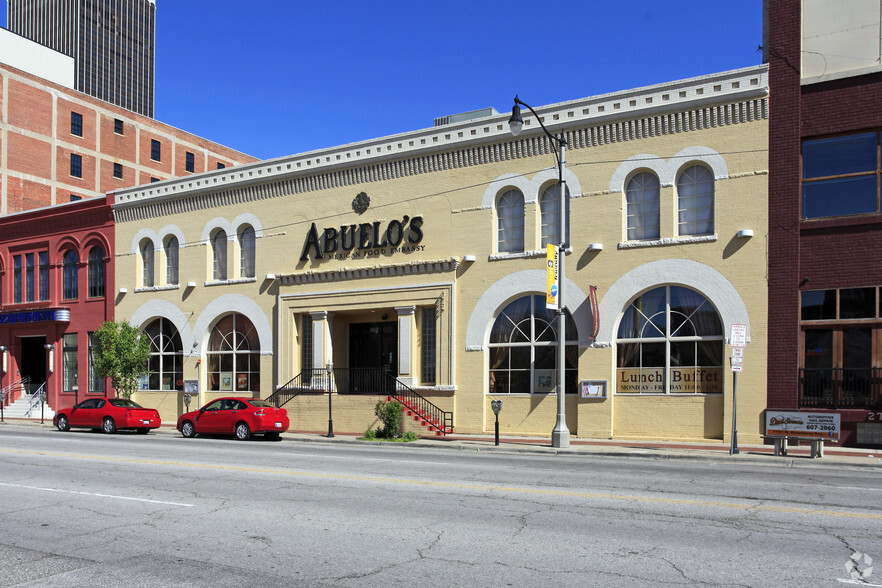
(373, 357)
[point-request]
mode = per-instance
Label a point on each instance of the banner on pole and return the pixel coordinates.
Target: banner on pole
(552, 292)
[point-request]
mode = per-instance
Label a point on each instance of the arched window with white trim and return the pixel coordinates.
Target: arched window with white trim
(166, 365)
(549, 210)
(147, 265)
(523, 349)
(219, 255)
(246, 252)
(234, 355)
(695, 198)
(643, 199)
(670, 341)
(510, 222)
(171, 260)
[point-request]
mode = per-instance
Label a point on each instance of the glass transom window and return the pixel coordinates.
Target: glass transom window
(670, 341)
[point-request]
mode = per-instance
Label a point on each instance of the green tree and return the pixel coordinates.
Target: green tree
(122, 354)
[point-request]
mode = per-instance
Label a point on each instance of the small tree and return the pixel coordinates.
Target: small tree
(122, 354)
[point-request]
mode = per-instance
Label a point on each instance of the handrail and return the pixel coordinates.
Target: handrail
(35, 399)
(11, 388)
(433, 415)
(309, 380)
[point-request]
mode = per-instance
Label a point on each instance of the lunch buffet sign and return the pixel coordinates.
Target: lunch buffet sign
(364, 239)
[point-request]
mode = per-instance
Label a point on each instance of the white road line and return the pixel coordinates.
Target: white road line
(95, 494)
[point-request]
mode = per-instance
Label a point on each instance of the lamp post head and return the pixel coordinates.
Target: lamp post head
(516, 122)
(48, 346)
(329, 367)
(2, 348)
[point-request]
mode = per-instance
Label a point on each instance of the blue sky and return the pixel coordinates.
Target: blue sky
(275, 78)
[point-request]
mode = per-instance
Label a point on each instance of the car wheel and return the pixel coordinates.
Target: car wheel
(188, 429)
(243, 432)
(273, 436)
(108, 426)
(63, 424)
(143, 431)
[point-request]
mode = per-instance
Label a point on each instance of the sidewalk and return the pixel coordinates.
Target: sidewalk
(698, 450)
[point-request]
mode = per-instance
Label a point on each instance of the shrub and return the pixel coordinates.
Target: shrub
(390, 414)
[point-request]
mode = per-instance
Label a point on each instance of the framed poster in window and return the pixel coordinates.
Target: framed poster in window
(241, 381)
(545, 381)
(226, 381)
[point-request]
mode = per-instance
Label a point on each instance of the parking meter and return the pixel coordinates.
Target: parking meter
(187, 402)
(496, 405)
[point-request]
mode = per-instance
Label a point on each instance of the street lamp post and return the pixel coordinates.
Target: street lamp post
(330, 369)
(560, 435)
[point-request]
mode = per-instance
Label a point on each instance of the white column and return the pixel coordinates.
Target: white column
(405, 343)
(322, 350)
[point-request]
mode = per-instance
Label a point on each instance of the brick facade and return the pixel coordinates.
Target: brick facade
(37, 143)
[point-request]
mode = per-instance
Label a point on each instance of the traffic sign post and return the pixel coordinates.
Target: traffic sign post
(737, 341)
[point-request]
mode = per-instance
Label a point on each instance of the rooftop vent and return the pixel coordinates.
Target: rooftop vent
(464, 116)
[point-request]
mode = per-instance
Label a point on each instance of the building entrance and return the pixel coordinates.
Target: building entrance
(32, 362)
(373, 357)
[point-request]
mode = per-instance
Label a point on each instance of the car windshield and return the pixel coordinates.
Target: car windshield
(124, 403)
(261, 404)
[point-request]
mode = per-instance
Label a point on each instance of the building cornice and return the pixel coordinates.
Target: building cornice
(720, 99)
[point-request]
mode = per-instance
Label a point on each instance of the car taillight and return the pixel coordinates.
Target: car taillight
(259, 412)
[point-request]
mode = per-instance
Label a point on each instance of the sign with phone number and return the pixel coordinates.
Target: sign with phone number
(815, 425)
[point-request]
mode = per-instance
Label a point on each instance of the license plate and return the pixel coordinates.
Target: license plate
(278, 425)
(146, 421)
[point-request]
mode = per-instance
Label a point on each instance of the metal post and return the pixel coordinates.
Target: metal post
(330, 369)
(560, 436)
(734, 449)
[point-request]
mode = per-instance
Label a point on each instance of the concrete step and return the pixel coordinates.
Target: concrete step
(19, 409)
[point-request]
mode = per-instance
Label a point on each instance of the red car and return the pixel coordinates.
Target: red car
(241, 417)
(109, 415)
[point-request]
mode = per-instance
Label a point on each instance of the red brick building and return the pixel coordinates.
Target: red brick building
(825, 220)
(56, 289)
(61, 145)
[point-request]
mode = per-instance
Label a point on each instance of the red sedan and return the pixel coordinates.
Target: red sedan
(107, 414)
(241, 417)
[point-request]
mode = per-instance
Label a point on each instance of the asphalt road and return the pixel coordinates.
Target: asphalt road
(87, 509)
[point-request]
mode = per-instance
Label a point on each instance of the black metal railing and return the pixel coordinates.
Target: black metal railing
(840, 388)
(421, 407)
(375, 381)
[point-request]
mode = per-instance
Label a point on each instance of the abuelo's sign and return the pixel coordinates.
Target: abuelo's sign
(365, 239)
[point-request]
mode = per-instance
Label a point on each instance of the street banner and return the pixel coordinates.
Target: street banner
(552, 292)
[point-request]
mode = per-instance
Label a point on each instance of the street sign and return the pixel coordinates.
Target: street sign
(738, 335)
(738, 353)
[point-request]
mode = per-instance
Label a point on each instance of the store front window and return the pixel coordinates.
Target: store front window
(166, 356)
(234, 356)
(670, 341)
(523, 349)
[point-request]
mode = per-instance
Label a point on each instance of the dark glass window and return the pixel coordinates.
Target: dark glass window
(76, 165)
(29, 276)
(117, 170)
(96, 272)
(857, 303)
(818, 305)
(840, 175)
(153, 180)
(190, 164)
(44, 275)
(74, 197)
(428, 343)
(16, 279)
(155, 150)
(70, 275)
(76, 124)
(220, 165)
(118, 126)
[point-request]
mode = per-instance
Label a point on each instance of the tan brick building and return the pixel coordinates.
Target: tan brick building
(417, 263)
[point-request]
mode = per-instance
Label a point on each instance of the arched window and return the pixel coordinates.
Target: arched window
(670, 341)
(695, 195)
(70, 275)
(166, 356)
(549, 208)
(219, 255)
(171, 260)
(523, 349)
(96, 272)
(147, 263)
(246, 252)
(510, 215)
(234, 356)
(642, 195)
